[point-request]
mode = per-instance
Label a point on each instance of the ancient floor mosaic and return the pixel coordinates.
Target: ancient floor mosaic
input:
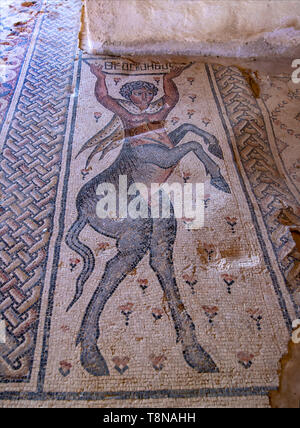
(147, 311)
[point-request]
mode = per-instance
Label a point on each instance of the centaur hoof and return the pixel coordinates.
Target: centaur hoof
(92, 361)
(199, 360)
(220, 184)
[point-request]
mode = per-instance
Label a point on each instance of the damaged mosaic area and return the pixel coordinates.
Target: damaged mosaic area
(146, 310)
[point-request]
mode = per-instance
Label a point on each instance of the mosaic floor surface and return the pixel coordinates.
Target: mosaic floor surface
(144, 312)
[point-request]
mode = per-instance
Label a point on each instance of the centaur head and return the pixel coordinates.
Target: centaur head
(141, 93)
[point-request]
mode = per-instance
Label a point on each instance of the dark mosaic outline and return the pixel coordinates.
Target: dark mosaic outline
(138, 395)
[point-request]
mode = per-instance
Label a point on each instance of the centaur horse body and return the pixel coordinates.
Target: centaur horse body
(148, 155)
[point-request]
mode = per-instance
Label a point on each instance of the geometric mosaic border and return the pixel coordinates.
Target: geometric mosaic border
(30, 167)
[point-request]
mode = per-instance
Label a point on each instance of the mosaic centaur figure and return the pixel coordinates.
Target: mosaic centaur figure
(148, 155)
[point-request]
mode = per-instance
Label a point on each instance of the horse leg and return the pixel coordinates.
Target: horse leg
(132, 246)
(167, 158)
(213, 145)
(217, 180)
(161, 261)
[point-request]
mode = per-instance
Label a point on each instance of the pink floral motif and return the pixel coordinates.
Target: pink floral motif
(65, 368)
(127, 307)
(157, 361)
(143, 283)
(157, 313)
(245, 359)
(121, 364)
(190, 280)
(211, 312)
(189, 277)
(175, 120)
(210, 309)
(102, 246)
(229, 281)
(187, 221)
(126, 310)
(232, 221)
(190, 113)
(85, 172)
(117, 80)
(97, 116)
(206, 121)
(74, 262)
(186, 176)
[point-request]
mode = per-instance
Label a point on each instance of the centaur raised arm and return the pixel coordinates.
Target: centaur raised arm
(170, 98)
(102, 95)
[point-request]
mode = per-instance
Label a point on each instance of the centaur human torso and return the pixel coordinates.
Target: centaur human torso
(148, 155)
